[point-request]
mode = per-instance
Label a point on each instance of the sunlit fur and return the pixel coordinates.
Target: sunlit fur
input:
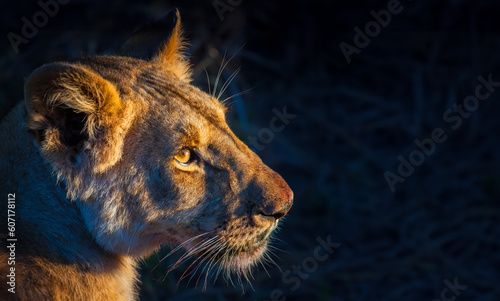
(97, 186)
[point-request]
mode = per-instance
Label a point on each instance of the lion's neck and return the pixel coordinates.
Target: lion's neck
(53, 243)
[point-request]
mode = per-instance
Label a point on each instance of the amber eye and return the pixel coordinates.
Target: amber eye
(183, 157)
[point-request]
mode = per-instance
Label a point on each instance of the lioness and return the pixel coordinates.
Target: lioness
(112, 156)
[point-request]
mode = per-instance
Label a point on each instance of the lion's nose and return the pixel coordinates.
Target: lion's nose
(279, 209)
(279, 201)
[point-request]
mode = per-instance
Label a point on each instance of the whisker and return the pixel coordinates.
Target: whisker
(212, 249)
(212, 263)
(179, 261)
(270, 259)
(276, 238)
(221, 264)
(184, 275)
(202, 257)
(223, 66)
(263, 264)
(227, 263)
(196, 248)
(236, 95)
(180, 246)
(216, 249)
(228, 81)
(269, 246)
(189, 253)
(208, 80)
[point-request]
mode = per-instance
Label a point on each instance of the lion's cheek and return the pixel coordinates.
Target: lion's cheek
(118, 232)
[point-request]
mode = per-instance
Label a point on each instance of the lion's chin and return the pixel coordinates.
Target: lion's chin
(229, 255)
(244, 260)
(236, 262)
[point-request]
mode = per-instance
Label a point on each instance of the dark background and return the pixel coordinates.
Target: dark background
(352, 122)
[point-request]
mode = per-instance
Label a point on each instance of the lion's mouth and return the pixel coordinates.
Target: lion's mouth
(246, 259)
(221, 250)
(232, 257)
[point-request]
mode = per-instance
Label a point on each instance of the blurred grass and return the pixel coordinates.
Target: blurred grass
(353, 121)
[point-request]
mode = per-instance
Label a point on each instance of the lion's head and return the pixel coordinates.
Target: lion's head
(149, 159)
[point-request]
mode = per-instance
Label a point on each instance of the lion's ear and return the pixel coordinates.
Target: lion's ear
(75, 115)
(161, 41)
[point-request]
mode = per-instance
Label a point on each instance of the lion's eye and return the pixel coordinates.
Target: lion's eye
(183, 157)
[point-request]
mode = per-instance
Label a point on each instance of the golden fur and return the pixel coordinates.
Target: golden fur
(99, 183)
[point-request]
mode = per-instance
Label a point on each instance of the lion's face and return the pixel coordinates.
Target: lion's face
(150, 159)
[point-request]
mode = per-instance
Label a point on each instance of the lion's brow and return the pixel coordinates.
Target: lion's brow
(161, 86)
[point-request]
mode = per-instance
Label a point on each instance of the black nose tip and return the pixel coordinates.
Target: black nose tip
(276, 213)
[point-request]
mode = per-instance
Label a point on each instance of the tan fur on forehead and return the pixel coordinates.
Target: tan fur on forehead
(190, 135)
